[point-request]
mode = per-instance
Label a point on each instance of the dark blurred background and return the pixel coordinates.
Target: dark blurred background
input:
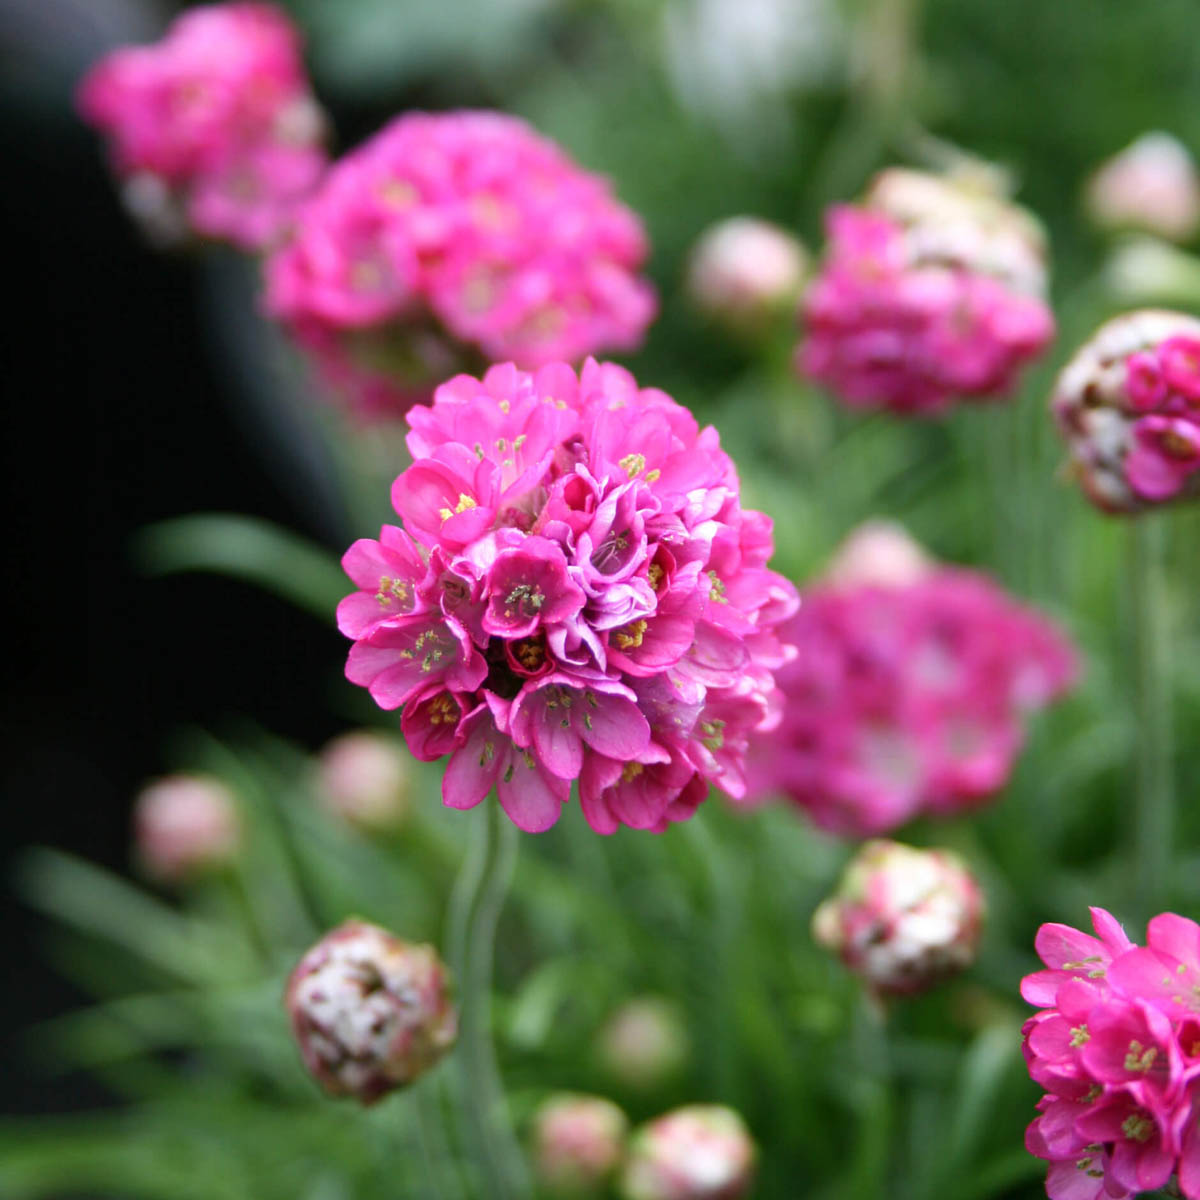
(126, 399)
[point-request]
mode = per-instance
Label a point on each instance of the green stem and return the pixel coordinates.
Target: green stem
(1153, 812)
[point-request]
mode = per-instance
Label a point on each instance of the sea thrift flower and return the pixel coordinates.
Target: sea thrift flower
(909, 692)
(1152, 186)
(578, 1142)
(185, 825)
(575, 594)
(744, 272)
(1116, 1045)
(644, 1043)
(369, 1012)
(929, 292)
(212, 129)
(365, 781)
(456, 238)
(903, 919)
(1128, 405)
(699, 1152)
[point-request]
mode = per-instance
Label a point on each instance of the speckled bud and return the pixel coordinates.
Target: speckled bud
(184, 826)
(370, 1012)
(578, 1142)
(744, 271)
(645, 1042)
(903, 919)
(365, 781)
(878, 554)
(1152, 185)
(700, 1152)
(1128, 406)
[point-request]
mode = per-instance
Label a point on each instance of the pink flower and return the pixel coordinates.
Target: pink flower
(927, 294)
(185, 826)
(219, 116)
(908, 693)
(699, 1152)
(1128, 406)
(1116, 1045)
(1151, 185)
(365, 781)
(578, 1142)
(450, 239)
(576, 594)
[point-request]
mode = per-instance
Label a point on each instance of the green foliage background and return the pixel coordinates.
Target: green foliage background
(188, 1031)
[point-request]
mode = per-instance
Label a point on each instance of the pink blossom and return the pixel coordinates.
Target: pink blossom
(907, 695)
(928, 294)
(218, 115)
(698, 1152)
(184, 826)
(1150, 185)
(1116, 1045)
(1128, 406)
(578, 1143)
(575, 594)
(449, 239)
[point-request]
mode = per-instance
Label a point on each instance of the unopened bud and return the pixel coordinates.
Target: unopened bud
(578, 1143)
(903, 919)
(700, 1152)
(1152, 186)
(878, 554)
(369, 1012)
(185, 825)
(744, 271)
(645, 1042)
(1128, 406)
(365, 781)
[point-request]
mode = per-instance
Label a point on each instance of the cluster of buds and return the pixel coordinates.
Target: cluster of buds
(364, 781)
(185, 826)
(448, 240)
(370, 1013)
(576, 594)
(699, 1152)
(213, 130)
(909, 692)
(1151, 186)
(1128, 405)
(902, 919)
(644, 1044)
(745, 272)
(931, 290)
(1116, 1045)
(578, 1143)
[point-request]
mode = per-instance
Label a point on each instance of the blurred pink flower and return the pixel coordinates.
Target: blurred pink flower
(450, 239)
(1152, 185)
(1116, 1046)
(929, 293)
(578, 1142)
(576, 593)
(908, 692)
(365, 780)
(699, 1152)
(216, 122)
(185, 825)
(1128, 406)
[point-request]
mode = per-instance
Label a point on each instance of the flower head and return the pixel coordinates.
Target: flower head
(1116, 1046)
(743, 272)
(909, 691)
(213, 128)
(1152, 186)
(364, 780)
(929, 292)
(1128, 406)
(450, 239)
(578, 1142)
(185, 825)
(369, 1012)
(699, 1152)
(576, 594)
(902, 918)
(644, 1043)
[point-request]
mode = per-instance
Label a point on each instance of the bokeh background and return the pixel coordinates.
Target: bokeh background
(141, 387)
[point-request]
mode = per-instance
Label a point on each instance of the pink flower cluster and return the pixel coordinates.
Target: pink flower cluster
(214, 127)
(457, 234)
(906, 698)
(922, 299)
(575, 593)
(1128, 404)
(1116, 1045)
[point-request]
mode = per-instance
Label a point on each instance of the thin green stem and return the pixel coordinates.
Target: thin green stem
(1154, 805)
